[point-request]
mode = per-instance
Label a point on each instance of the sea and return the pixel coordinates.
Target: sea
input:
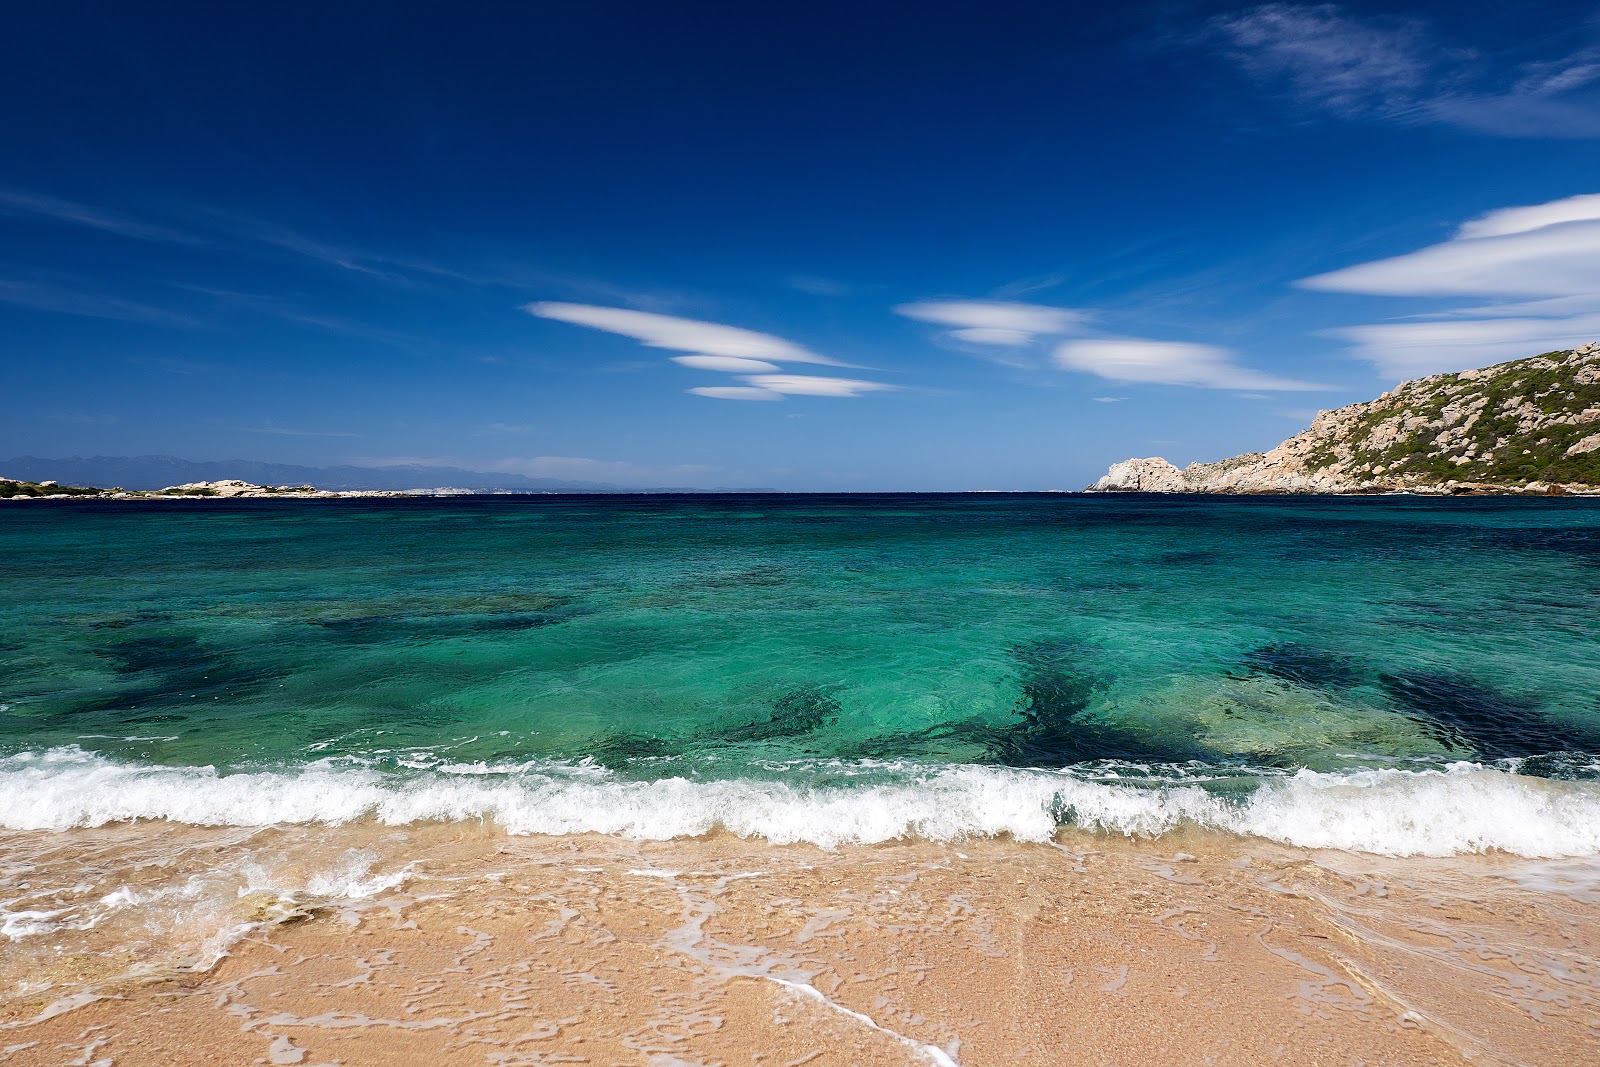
(1401, 676)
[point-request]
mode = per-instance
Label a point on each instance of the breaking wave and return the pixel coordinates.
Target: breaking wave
(1464, 807)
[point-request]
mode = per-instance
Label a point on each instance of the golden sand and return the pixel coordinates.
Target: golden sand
(1192, 949)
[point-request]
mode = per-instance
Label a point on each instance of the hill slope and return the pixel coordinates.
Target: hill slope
(1530, 425)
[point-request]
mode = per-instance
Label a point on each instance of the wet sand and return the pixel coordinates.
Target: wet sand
(1196, 948)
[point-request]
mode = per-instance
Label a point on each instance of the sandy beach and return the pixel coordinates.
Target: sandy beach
(450, 945)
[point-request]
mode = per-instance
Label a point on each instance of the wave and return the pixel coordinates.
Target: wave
(1464, 807)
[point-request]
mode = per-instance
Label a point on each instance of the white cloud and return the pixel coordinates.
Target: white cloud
(730, 364)
(1539, 265)
(684, 335)
(1403, 350)
(736, 392)
(1109, 399)
(754, 357)
(805, 385)
(1398, 70)
(1130, 359)
(1557, 260)
(1328, 58)
(994, 322)
(1582, 208)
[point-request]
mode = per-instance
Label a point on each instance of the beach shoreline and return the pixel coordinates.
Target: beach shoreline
(456, 943)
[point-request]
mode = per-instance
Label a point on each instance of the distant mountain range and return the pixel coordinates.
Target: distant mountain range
(158, 472)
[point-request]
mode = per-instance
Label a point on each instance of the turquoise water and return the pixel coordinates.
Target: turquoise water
(625, 658)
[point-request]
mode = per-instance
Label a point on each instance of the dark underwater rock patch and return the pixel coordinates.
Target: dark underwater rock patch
(1304, 665)
(1583, 544)
(170, 668)
(1463, 710)
(748, 577)
(1059, 680)
(407, 629)
(617, 749)
(795, 713)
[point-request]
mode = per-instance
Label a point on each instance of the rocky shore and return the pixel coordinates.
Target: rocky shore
(1529, 426)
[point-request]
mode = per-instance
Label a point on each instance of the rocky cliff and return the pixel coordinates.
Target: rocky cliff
(1528, 426)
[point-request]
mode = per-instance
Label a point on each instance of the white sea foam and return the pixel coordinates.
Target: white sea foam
(1462, 808)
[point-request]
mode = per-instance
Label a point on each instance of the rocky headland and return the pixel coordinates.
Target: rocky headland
(1529, 426)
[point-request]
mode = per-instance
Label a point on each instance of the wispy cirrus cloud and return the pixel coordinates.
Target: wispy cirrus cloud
(63, 300)
(223, 230)
(754, 357)
(1133, 359)
(1328, 58)
(994, 322)
(281, 308)
(20, 203)
(1537, 265)
(1397, 69)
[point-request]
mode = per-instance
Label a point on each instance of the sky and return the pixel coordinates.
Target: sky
(863, 246)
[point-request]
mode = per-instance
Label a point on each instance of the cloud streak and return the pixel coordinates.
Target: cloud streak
(1397, 70)
(1538, 264)
(684, 335)
(994, 322)
(728, 364)
(1131, 359)
(1327, 58)
(754, 357)
(16, 202)
(806, 385)
(41, 297)
(735, 392)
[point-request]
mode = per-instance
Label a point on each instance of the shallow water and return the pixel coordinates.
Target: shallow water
(454, 944)
(1396, 675)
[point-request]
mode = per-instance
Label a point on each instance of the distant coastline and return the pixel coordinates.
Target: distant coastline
(225, 489)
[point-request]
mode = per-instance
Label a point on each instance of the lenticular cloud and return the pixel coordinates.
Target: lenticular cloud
(755, 357)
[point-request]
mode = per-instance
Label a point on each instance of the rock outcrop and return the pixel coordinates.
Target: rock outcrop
(1528, 426)
(233, 487)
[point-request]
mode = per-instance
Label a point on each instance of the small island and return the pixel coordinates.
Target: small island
(1530, 426)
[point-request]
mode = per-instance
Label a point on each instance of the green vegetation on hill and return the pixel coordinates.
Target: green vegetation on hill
(10, 489)
(1512, 423)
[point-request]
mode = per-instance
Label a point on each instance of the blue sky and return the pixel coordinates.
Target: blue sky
(842, 246)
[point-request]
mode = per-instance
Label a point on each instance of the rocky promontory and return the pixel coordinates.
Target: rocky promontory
(1528, 426)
